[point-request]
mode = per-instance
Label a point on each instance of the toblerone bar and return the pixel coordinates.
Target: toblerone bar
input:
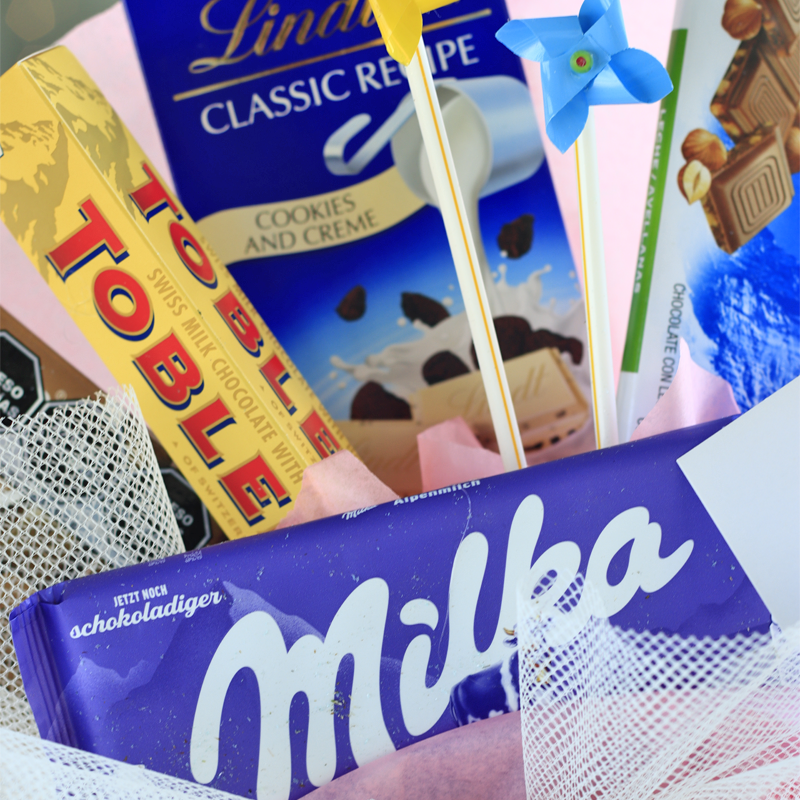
(163, 312)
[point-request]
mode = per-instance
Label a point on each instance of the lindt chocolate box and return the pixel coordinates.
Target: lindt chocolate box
(273, 664)
(545, 398)
(719, 258)
(344, 223)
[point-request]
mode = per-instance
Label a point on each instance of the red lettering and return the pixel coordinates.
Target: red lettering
(238, 320)
(192, 255)
(170, 372)
(322, 440)
(151, 197)
(277, 374)
(91, 239)
(203, 424)
(251, 488)
(112, 284)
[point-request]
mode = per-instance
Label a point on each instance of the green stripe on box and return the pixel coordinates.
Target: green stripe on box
(655, 202)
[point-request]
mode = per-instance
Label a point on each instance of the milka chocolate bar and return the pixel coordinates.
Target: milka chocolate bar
(780, 21)
(548, 402)
(269, 665)
(751, 95)
(131, 267)
(753, 188)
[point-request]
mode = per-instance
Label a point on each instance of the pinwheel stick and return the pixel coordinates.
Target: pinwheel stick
(598, 321)
(462, 247)
(586, 61)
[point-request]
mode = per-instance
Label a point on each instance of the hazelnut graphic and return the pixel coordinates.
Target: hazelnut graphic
(707, 148)
(742, 18)
(793, 149)
(694, 181)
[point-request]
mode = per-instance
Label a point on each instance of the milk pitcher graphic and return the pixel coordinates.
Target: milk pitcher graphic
(493, 134)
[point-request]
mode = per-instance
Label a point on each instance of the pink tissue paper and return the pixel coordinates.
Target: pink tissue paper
(481, 761)
(694, 396)
(336, 485)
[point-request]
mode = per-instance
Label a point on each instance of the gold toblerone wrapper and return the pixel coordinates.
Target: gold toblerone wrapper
(163, 312)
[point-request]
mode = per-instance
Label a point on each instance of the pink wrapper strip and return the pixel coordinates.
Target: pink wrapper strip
(482, 761)
(336, 485)
(694, 396)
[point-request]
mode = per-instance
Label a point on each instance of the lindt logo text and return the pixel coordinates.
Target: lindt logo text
(273, 29)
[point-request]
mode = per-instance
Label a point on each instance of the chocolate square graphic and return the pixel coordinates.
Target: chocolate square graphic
(781, 22)
(751, 96)
(750, 191)
(786, 67)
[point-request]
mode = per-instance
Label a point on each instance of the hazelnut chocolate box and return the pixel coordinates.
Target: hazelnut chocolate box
(293, 142)
(270, 665)
(719, 259)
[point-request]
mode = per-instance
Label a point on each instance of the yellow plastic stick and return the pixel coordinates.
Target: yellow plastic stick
(462, 247)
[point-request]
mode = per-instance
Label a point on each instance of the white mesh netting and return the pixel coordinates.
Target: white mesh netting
(80, 492)
(620, 715)
(35, 769)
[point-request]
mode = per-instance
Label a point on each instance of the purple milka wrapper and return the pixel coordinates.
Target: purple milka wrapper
(270, 665)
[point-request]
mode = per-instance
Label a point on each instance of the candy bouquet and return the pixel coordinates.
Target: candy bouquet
(405, 608)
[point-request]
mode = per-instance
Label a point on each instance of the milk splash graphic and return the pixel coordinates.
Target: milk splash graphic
(399, 366)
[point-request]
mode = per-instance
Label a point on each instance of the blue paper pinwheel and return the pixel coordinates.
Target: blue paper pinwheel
(585, 61)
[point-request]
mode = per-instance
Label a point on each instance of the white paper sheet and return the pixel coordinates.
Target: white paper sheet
(748, 478)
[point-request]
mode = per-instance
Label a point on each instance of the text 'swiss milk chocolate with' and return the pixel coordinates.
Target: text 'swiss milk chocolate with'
(163, 312)
(719, 261)
(273, 664)
(293, 140)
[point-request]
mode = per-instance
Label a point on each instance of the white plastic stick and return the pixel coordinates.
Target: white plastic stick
(594, 282)
(462, 247)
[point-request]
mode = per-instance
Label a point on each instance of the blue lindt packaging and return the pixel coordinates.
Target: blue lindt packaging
(293, 142)
(271, 665)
